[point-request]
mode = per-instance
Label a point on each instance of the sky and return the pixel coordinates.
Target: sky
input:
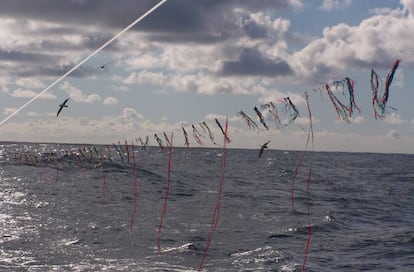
(194, 61)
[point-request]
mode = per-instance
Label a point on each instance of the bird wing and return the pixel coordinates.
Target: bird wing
(261, 152)
(62, 106)
(60, 109)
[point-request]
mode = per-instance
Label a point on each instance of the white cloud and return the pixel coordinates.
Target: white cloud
(409, 6)
(130, 115)
(296, 3)
(29, 94)
(393, 134)
(77, 95)
(394, 119)
(141, 61)
(30, 83)
(209, 84)
(8, 111)
(329, 5)
(359, 119)
(3, 85)
(37, 114)
(371, 44)
(146, 77)
(110, 101)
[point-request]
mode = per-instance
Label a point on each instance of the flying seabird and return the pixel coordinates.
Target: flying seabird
(263, 147)
(103, 66)
(61, 106)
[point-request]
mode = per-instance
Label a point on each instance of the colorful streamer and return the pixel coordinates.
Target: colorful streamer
(261, 118)
(205, 127)
(187, 143)
(197, 135)
(222, 130)
(273, 110)
(380, 104)
(249, 120)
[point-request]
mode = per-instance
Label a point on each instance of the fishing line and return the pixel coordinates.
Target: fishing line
(84, 60)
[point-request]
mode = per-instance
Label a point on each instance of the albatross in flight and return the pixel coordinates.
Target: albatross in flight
(263, 147)
(61, 106)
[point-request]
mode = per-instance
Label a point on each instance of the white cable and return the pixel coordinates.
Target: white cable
(85, 59)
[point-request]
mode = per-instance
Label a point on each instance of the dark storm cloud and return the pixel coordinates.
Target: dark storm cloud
(252, 63)
(181, 20)
(176, 21)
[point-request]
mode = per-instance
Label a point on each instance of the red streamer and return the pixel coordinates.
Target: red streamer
(215, 217)
(104, 185)
(164, 209)
(310, 137)
(134, 209)
(127, 150)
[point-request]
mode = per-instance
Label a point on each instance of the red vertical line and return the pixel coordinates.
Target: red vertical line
(135, 192)
(295, 174)
(57, 165)
(310, 136)
(127, 150)
(214, 220)
(104, 187)
(121, 152)
(79, 162)
(299, 164)
(91, 159)
(47, 162)
(39, 165)
(164, 210)
(109, 152)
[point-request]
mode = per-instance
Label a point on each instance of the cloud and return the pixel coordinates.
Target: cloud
(209, 84)
(30, 83)
(408, 6)
(359, 119)
(110, 101)
(214, 25)
(130, 114)
(393, 134)
(77, 95)
(7, 111)
(146, 77)
(29, 94)
(329, 5)
(367, 45)
(251, 62)
(200, 21)
(3, 85)
(394, 119)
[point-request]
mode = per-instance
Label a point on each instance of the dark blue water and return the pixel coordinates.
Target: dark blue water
(57, 215)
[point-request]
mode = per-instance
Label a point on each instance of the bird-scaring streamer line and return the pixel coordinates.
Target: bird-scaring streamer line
(215, 217)
(164, 209)
(84, 60)
(310, 137)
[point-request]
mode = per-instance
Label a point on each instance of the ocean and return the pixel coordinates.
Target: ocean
(85, 208)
